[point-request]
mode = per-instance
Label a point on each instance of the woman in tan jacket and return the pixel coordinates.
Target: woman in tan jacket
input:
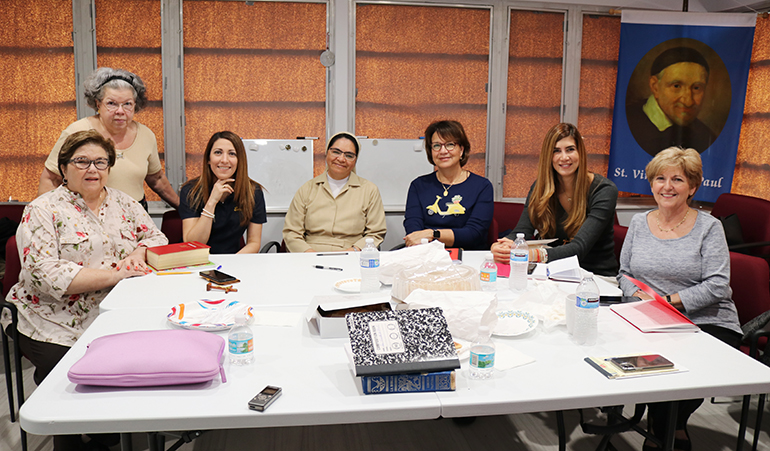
(337, 210)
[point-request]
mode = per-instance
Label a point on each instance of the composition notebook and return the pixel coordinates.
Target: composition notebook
(401, 342)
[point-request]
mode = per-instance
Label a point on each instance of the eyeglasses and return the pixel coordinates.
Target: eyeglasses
(448, 146)
(113, 106)
(350, 156)
(84, 163)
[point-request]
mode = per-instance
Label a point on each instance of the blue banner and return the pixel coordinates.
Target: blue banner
(681, 82)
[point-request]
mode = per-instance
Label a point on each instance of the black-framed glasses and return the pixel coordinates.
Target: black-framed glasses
(84, 163)
(450, 146)
(350, 156)
(113, 106)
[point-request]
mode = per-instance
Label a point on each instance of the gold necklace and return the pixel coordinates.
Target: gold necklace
(657, 220)
(446, 188)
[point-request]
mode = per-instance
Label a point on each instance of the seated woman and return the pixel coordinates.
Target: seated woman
(681, 254)
(338, 210)
(468, 199)
(223, 202)
(75, 242)
(569, 203)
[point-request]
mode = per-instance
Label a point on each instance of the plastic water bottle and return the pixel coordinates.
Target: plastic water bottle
(488, 273)
(519, 263)
(370, 267)
(240, 342)
(586, 314)
(482, 355)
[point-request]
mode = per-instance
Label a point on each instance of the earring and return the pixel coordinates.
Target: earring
(64, 181)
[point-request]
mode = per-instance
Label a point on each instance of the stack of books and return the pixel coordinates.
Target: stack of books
(402, 350)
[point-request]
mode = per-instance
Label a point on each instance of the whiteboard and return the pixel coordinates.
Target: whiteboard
(281, 166)
(392, 164)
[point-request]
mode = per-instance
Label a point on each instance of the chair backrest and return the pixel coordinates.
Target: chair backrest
(750, 282)
(753, 214)
(12, 265)
(12, 210)
(619, 236)
(505, 217)
(171, 226)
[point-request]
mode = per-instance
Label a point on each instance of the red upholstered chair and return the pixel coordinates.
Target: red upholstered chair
(750, 282)
(12, 210)
(619, 236)
(12, 265)
(505, 217)
(754, 216)
(171, 226)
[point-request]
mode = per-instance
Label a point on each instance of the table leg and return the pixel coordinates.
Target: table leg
(673, 407)
(125, 442)
(560, 429)
(744, 421)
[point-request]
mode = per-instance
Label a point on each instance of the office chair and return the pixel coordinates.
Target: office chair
(504, 218)
(171, 226)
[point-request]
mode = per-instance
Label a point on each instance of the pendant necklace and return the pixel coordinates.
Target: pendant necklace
(657, 220)
(446, 188)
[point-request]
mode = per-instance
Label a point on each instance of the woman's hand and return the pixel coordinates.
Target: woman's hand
(642, 295)
(501, 250)
(125, 269)
(221, 189)
(416, 237)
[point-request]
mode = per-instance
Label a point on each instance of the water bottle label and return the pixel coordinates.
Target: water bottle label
(587, 302)
(522, 257)
(240, 346)
(482, 360)
(488, 276)
(370, 263)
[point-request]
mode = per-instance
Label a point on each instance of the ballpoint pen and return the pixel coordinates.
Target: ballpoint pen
(327, 267)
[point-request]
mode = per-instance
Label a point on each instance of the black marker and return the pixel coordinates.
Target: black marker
(329, 255)
(327, 267)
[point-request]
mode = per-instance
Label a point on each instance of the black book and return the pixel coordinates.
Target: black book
(401, 342)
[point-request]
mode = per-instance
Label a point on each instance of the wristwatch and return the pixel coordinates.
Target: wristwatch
(668, 298)
(436, 234)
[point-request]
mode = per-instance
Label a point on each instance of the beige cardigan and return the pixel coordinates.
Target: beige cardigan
(319, 221)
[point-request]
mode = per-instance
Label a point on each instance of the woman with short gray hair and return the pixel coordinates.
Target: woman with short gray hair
(116, 95)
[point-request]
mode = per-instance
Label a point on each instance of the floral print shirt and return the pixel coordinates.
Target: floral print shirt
(58, 236)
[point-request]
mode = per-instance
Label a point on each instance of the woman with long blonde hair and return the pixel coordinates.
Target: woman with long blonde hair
(569, 203)
(223, 203)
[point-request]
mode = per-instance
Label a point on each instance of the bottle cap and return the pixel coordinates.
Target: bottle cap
(489, 256)
(484, 332)
(370, 240)
(519, 235)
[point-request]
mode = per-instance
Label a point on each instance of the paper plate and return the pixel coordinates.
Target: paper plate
(348, 285)
(511, 323)
(207, 314)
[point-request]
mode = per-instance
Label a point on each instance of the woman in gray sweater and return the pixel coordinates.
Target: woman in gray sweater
(681, 254)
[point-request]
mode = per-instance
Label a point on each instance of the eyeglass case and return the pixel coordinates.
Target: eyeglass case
(150, 358)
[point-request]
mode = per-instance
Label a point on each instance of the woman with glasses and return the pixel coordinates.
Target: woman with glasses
(451, 205)
(338, 210)
(223, 202)
(75, 242)
(117, 95)
(568, 203)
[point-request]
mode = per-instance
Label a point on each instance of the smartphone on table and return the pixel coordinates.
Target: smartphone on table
(218, 277)
(636, 363)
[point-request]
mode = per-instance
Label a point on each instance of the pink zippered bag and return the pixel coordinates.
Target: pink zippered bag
(151, 358)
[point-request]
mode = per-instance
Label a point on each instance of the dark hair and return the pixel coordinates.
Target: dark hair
(79, 139)
(345, 135)
(677, 55)
(449, 131)
(107, 77)
(243, 188)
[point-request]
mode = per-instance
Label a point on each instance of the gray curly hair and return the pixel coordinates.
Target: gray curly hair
(107, 77)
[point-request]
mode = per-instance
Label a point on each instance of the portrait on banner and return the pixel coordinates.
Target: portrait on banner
(679, 94)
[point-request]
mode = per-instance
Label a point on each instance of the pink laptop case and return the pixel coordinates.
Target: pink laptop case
(151, 358)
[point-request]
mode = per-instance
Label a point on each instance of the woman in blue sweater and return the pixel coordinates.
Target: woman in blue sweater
(451, 205)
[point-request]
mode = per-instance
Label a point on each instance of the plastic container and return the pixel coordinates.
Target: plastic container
(570, 302)
(240, 342)
(482, 362)
(488, 273)
(370, 267)
(432, 277)
(586, 330)
(519, 262)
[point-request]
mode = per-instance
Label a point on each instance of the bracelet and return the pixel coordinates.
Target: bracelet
(543, 255)
(207, 214)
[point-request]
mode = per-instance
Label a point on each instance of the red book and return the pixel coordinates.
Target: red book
(653, 315)
(178, 254)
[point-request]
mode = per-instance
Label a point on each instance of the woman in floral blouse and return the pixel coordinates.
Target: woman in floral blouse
(76, 243)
